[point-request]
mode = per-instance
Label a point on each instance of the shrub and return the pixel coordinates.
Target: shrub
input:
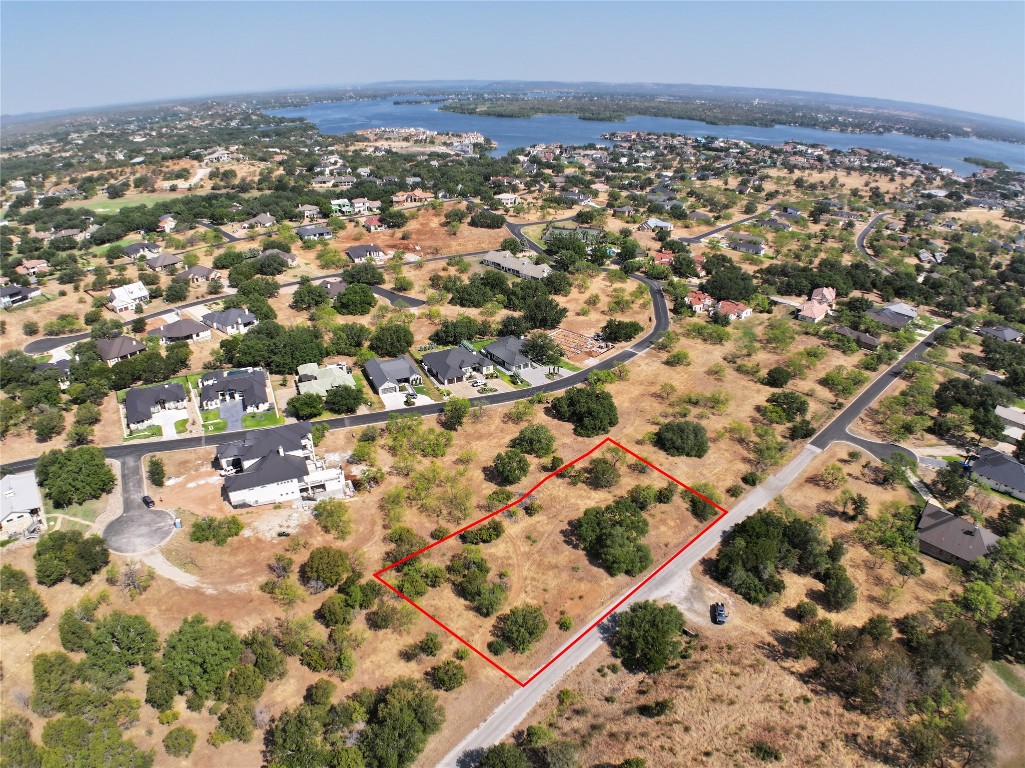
(180, 741)
(602, 473)
(447, 676)
(648, 635)
(497, 647)
(510, 467)
(155, 472)
(521, 627)
(216, 530)
(682, 438)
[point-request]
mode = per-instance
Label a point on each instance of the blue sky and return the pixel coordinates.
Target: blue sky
(61, 55)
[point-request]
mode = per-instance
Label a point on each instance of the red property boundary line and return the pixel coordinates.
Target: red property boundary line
(523, 683)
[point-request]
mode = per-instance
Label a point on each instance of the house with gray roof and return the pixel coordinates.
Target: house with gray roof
(321, 379)
(199, 274)
(135, 250)
(231, 321)
(508, 353)
(263, 220)
(360, 254)
(163, 262)
(246, 384)
(142, 403)
(20, 502)
(119, 348)
(450, 366)
(952, 539)
(286, 440)
(389, 375)
(521, 266)
(1000, 472)
(185, 329)
(314, 232)
(888, 318)
(1001, 332)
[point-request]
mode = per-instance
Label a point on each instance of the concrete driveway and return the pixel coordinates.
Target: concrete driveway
(538, 376)
(137, 529)
(231, 411)
(397, 401)
(166, 419)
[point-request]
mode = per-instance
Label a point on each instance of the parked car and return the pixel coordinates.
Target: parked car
(284, 534)
(148, 501)
(719, 615)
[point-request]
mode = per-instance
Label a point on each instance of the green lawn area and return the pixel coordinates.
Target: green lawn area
(254, 420)
(41, 299)
(42, 359)
(214, 426)
(360, 380)
(534, 233)
(1007, 673)
(479, 344)
(74, 525)
(142, 434)
(181, 426)
(89, 510)
(564, 363)
(508, 380)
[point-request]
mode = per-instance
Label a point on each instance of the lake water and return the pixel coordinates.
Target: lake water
(509, 132)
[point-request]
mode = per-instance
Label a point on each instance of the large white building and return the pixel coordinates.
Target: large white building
(20, 502)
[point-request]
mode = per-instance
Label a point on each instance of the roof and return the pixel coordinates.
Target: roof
(120, 346)
(129, 293)
(312, 230)
(827, 295)
(180, 329)
(449, 363)
(957, 536)
(319, 380)
(263, 218)
(508, 349)
(136, 248)
(864, 338)
(228, 317)
(272, 468)
(1001, 332)
(289, 438)
(1014, 415)
(813, 309)
(380, 372)
(139, 401)
(252, 385)
(19, 493)
(163, 260)
(521, 265)
(356, 252)
(889, 318)
(728, 307)
(901, 309)
(198, 270)
(1000, 468)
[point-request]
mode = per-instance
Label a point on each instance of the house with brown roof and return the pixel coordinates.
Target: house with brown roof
(119, 348)
(699, 302)
(812, 311)
(734, 310)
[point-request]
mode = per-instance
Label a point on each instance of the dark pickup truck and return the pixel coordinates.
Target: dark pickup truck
(719, 615)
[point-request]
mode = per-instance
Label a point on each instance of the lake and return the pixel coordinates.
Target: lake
(509, 132)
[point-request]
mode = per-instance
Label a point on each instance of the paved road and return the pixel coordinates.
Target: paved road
(859, 241)
(517, 231)
(137, 529)
(504, 719)
(723, 228)
(228, 237)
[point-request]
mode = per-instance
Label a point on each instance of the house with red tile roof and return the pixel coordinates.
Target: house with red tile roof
(734, 310)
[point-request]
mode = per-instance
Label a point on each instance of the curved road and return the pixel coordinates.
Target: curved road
(859, 241)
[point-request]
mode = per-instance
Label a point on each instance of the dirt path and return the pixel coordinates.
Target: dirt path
(160, 564)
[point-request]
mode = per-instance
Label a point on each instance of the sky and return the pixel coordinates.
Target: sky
(64, 55)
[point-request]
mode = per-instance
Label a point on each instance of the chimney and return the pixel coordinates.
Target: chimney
(281, 451)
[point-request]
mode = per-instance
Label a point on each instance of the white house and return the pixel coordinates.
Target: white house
(508, 199)
(20, 502)
(142, 403)
(124, 298)
(520, 266)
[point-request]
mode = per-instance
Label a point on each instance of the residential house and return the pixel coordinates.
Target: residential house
(450, 366)
(374, 224)
(812, 311)
(507, 351)
(344, 182)
(16, 294)
(166, 223)
(164, 262)
(309, 212)
(273, 466)
(699, 216)
(290, 258)
(576, 197)
(1014, 422)
(125, 298)
(776, 224)
(362, 205)
(952, 539)
(1000, 472)
(333, 286)
(341, 206)
(389, 375)
(864, 340)
(184, 329)
(888, 318)
(520, 266)
(825, 296)
(248, 385)
(135, 250)
(142, 403)
(900, 308)
(20, 502)
(259, 222)
(200, 274)
(321, 379)
(231, 321)
(119, 348)
(1001, 332)
(656, 225)
(33, 267)
(699, 264)
(734, 310)
(314, 232)
(63, 368)
(735, 243)
(623, 210)
(699, 302)
(508, 199)
(361, 254)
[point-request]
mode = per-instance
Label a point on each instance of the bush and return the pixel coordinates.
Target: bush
(510, 467)
(591, 410)
(179, 741)
(521, 627)
(487, 220)
(216, 530)
(700, 508)
(535, 439)
(326, 565)
(766, 752)
(155, 471)
(682, 438)
(777, 377)
(63, 555)
(333, 517)
(806, 611)
(447, 676)
(19, 603)
(490, 531)
(504, 756)
(497, 647)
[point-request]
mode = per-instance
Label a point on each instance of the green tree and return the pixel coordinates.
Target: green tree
(542, 349)
(356, 299)
(327, 565)
(310, 296)
(591, 410)
(391, 340)
(199, 656)
(455, 413)
(68, 554)
(521, 627)
(447, 676)
(504, 756)
(682, 438)
(155, 472)
(615, 331)
(648, 636)
(950, 483)
(19, 603)
(333, 517)
(602, 473)
(400, 720)
(179, 741)
(534, 439)
(510, 467)
(306, 406)
(74, 476)
(840, 592)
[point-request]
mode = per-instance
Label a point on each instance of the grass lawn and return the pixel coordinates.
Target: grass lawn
(479, 344)
(1006, 672)
(42, 359)
(212, 427)
(508, 380)
(104, 204)
(360, 380)
(181, 426)
(88, 510)
(566, 364)
(254, 420)
(74, 525)
(40, 299)
(193, 380)
(534, 233)
(154, 431)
